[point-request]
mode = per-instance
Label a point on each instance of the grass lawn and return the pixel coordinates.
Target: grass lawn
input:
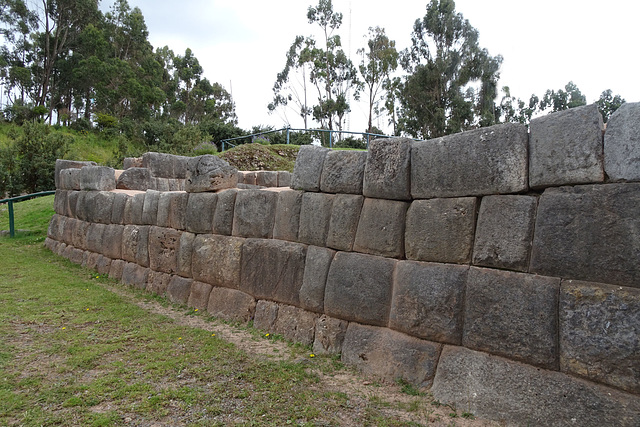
(74, 352)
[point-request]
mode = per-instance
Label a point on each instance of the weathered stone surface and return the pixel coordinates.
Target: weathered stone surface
(179, 289)
(164, 165)
(441, 230)
(517, 394)
(160, 184)
(163, 248)
(359, 288)
(428, 300)
(97, 178)
(68, 164)
(566, 148)
(223, 215)
(135, 207)
(95, 233)
(387, 173)
(112, 241)
(61, 203)
(307, 171)
(91, 260)
(116, 269)
(69, 179)
(158, 282)
(135, 179)
(51, 244)
(103, 264)
(72, 199)
(119, 204)
(390, 355)
(273, 269)
(184, 254)
(284, 179)
(514, 315)
(231, 304)
(97, 206)
(343, 225)
(267, 178)
(287, 217)
(178, 201)
(343, 172)
(131, 162)
(622, 143)
(135, 275)
(329, 335)
(316, 269)
(150, 208)
(254, 213)
(135, 244)
(504, 233)
(484, 161)
(200, 210)
(381, 228)
(74, 255)
(216, 260)
(589, 232)
(209, 173)
(315, 214)
(295, 324)
(250, 178)
(599, 330)
(67, 230)
(54, 229)
(199, 296)
(265, 315)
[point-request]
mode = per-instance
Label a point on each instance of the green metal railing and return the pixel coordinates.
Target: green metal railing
(12, 200)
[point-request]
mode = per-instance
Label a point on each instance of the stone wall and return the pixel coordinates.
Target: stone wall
(500, 267)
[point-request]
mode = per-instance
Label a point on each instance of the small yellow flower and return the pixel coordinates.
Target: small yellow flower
(196, 309)
(179, 338)
(266, 335)
(87, 309)
(312, 355)
(64, 327)
(213, 335)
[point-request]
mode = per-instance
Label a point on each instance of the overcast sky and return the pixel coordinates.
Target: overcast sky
(545, 43)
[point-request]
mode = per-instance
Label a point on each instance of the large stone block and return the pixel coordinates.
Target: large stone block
(566, 148)
(441, 230)
(387, 173)
(68, 164)
(112, 241)
(622, 143)
(135, 179)
(61, 203)
(329, 335)
(315, 214)
(254, 213)
(72, 199)
(295, 324)
(55, 228)
(343, 225)
(517, 394)
(69, 179)
(179, 289)
(589, 232)
(484, 161)
(199, 296)
(95, 233)
(175, 204)
(267, 178)
(158, 282)
(284, 179)
(133, 210)
(97, 178)
(184, 255)
(103, 264)
(163, 248)
(223, 215)
(164, 165)
(381, 228)
(116, 269)
(359, 288)
(504, 233)
(131, 162)
(231, 305)
(150, 208)
(599, 330)
(200, 210)
(273, 269)
(514, 315)
(307, 171)
(390, 355)
(216, 260)
(265, 315)
(135, 244)
(97, 206)
(209, 173)
(428, 300)
(119, 204)
(343, 172)
(316, 269)
(135, 275)
(287, 217)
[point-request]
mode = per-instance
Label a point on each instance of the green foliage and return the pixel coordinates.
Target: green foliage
(106, 121)
(559, 100)
(608, 104)
(351, 142)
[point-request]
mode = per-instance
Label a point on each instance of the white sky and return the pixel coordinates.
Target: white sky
(545, 43)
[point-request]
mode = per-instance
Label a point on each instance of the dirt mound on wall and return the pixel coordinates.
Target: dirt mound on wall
(252, 157)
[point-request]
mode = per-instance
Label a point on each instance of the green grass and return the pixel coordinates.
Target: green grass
(75, 353)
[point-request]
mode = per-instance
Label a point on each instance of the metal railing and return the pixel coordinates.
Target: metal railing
(12, 200)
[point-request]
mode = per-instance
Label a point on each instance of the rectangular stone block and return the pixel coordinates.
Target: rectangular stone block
(163, 248)
(315, 214)
(68, 164)
(517, 394)
(359, 288)
(287, 217)
(345, 215)
(343, 172)
(135, 244)
(60, 202)
(307, 171)
(209, 173)
(381, 228)
(73, 197)
(97, 206)
(329, 335)
(54, 230)
(254, 213)
(387, 173)
(589, 232)
(441, 230)
(231, 305)
(119, 204)
(112, 241)
(295, 324)
(267, 178)
(135, 275)
(200, 210)
(622, 143)
(284, 179)
(95, 233)
(484, 161)
(165, 165)
(103, 264)
(97, 178)
(223, 215)
(316, 269)
(504, 233)
(69, 179)
(135, 179)
(216, 260)
(160, 184)
(390, 355)
(158, 282)
(116, 269)
(199, 296)
(135, 207)
(179, 289)
(514, 315)
(265, 315)
(599, 330)
(177, 205)
(273, 269)
(184, 255)
(428, 300)
(566, 148)
(150, 208)
(250, 178)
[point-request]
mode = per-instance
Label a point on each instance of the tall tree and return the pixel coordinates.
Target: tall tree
(559, 100)
(608, 104)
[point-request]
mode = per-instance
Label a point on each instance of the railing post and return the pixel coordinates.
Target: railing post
(330, 139)
(288, 135)
(12, 231)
